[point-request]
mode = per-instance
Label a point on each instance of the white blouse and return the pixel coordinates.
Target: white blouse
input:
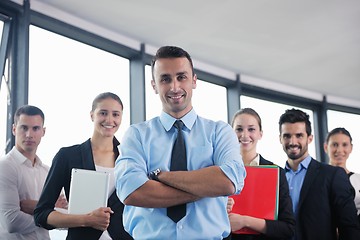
(105, 235)
(355, 182)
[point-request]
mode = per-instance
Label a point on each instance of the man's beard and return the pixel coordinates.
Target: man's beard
(294, 156)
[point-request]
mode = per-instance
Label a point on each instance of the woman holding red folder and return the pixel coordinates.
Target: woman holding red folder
(247, 126)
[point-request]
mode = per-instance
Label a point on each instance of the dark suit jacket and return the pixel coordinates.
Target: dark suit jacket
(77, 156)
(326, 202)
(285, 226)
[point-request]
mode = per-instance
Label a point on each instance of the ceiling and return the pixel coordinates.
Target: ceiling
(305, 46)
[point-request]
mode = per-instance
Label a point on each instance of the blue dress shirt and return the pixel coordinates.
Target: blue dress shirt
(147, 146)
(295, 180)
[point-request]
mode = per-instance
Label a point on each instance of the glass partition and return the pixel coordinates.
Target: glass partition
(3, 104)
(64, 78)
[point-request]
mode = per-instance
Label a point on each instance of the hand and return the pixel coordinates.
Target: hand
(28, 206)
(61, 202)
(100, 218)
(230, 204)
(236, 221)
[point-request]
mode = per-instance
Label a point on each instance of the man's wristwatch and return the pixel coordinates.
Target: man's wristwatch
(153, 175)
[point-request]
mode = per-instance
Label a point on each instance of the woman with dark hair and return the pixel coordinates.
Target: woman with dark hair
(97, 153)
(338, 146)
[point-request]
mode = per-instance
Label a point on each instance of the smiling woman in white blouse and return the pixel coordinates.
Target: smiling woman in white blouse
(338, 146)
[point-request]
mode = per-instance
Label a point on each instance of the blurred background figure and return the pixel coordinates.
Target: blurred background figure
(338, 146)
(22, 176)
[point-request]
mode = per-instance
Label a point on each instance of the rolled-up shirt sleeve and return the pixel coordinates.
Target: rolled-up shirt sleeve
(130, 167)
(227, 155)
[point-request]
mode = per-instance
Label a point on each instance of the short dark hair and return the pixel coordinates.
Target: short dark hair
(336, 131)
(293, 116)
(28, 110)
(249, 111)
(170, 52)
(103, 96)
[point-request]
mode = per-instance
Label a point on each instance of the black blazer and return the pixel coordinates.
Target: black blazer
(77, 156)
(326, 203)
(285, 226)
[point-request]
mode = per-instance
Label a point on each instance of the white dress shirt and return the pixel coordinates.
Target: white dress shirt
(355, 182)
(106, 235)
(255, 161)
(19, 180)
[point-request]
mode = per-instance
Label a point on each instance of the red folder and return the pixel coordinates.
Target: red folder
(260, 195)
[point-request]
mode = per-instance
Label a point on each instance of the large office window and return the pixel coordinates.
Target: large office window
(350, 122)
(4, 98)
(64, 78)
(3, 104)
(209, 100)
(153, 104)
(3, 116)
(269, 146)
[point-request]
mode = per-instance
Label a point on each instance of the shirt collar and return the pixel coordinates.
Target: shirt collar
(21, 159)
(303, 164)
(168, 121)
(255, 161)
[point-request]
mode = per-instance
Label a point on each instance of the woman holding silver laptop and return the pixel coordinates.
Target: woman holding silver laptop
(97, 153)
